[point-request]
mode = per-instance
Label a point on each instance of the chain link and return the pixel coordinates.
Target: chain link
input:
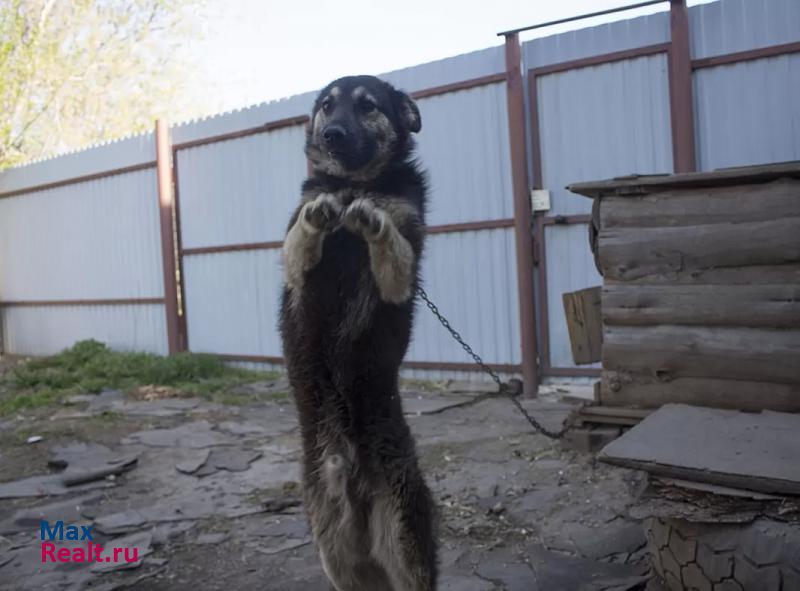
(503, 387)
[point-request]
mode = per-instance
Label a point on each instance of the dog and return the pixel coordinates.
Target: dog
(351, 264)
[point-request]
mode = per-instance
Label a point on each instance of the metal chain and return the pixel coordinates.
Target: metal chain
(503, 387)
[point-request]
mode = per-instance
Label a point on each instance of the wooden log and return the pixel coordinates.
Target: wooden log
(669, 352)
(754, 274)
(636, 252)
(594, 233)
(584, 324)
(711, 205)
(622, 388)
(770, 306)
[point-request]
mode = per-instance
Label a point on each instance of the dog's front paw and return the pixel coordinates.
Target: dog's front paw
(362, 217)
(323, 213)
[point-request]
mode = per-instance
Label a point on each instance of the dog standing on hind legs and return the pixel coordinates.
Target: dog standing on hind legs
(351, 260)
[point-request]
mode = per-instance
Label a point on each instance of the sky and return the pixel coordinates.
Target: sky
(257, 50)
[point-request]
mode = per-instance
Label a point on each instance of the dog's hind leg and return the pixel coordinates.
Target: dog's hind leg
(402, 538)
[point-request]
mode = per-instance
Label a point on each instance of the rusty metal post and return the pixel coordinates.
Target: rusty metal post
(522, 213)
(681, 101)
(166, 209)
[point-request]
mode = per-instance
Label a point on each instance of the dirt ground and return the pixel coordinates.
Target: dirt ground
(209, 495)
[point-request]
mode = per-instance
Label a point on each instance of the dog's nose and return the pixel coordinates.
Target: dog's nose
(334, 133)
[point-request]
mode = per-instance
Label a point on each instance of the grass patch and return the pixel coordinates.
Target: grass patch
(90, 366)
(422, 385)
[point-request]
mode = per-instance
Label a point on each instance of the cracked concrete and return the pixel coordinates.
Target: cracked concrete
(213, 501)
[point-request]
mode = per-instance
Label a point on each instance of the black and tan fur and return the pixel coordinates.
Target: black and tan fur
(351, 258)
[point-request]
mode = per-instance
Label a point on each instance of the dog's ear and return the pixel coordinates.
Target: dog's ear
(409, 113)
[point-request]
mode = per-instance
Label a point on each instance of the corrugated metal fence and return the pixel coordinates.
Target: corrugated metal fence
(81, 252)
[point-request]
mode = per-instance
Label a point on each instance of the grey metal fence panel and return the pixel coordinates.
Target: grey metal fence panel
(570, 267)
(748, 113)
(590, 41)
(458, 68)
(464, 147)
(232, 302)
(731, 26)
(241, 190)
(603, 121)
(122, 153)
(92, 240)
(48, 330)
(472, 278)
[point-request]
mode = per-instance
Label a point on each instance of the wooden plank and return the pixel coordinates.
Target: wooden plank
(637, 185)
(636, 252)
(623, 388)
(747, 275)
(584, 324)
(610, 411)
(770, 306)
(712, 205)
(669, 352)
(582, 421)
(728, 448)
(609, 415)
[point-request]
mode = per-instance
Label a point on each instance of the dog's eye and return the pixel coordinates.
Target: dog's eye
(327, 105)
(366, 106)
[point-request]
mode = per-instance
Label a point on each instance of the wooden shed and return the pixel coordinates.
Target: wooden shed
(701, 287)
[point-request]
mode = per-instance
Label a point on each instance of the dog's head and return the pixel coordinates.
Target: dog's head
(359, 125)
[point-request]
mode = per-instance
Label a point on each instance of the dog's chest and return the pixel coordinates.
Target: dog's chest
(341, 284)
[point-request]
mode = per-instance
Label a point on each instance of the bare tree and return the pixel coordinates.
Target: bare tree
(78, 72)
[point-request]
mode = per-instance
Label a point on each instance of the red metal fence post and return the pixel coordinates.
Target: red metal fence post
(681, 101)
(166, 209)
(522, 213)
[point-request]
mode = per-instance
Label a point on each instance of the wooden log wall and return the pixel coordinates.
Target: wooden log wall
(701, 296)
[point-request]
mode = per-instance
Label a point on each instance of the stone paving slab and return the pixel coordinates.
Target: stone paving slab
(500, 488)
